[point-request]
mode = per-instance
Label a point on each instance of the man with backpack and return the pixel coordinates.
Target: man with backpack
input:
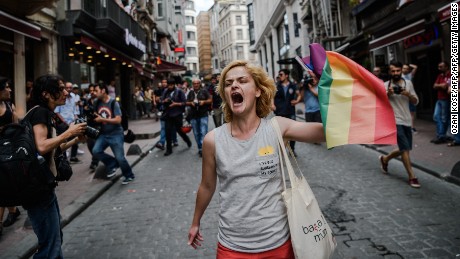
(111, 135)
(173, 101)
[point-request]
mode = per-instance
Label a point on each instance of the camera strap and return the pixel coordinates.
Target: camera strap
(391, 82)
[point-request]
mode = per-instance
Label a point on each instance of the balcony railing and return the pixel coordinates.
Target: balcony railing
(109, 9)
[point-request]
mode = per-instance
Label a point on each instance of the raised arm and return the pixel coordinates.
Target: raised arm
(311, 132)
(205, 190)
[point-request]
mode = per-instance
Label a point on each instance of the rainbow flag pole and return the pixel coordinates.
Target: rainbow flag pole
(353, 102)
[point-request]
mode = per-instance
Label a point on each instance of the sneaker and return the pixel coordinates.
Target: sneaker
(167, 153)
(75, 160)
(383, 165)
(112, 173)
(80, 152)
(127, 180)
(438, 141)
(200, 153)
(12, 217)
(160, 146)
(414, 183)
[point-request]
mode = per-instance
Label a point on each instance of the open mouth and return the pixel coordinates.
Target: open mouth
(237, 98)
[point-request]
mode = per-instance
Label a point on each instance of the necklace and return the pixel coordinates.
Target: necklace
(231, 128)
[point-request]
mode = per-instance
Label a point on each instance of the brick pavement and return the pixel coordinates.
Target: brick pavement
(77, 194)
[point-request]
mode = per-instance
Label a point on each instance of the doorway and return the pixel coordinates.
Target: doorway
(427, 61)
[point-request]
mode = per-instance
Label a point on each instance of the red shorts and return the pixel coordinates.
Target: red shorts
(283, 252)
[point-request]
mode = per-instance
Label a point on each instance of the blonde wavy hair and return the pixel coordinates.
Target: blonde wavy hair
(262, 81)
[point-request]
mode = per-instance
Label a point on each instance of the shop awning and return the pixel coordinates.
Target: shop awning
(112, 52)
(166, 66)
(398, 35)
(444, 12)
(19, 26)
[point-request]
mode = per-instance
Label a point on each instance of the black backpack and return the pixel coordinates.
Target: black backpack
(124, 116)
(23, 180)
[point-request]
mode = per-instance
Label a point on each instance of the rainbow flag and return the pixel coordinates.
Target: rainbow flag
(353, 102)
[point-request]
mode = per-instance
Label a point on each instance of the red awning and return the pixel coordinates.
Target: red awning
(398, 35)
(166, 66)
(444, 12)
(17, 25)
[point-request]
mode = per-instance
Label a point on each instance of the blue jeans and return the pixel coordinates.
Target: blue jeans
(115, 141)
(163, 134)
(200, 128)
(46, 222)
(440, 116)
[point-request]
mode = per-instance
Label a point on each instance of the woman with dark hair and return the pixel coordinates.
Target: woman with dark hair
(7, 116)
(48, 93)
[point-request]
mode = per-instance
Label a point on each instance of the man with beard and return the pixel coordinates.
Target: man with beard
(400, 93)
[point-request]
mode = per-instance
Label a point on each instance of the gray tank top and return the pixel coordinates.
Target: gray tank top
(252, 216)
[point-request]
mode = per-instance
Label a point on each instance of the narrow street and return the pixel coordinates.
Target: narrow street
(372, 215)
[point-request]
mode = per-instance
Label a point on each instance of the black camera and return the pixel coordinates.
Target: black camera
(397, 89)
(90, 131)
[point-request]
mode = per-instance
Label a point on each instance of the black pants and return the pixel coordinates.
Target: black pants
(90, 142)
(174, 124)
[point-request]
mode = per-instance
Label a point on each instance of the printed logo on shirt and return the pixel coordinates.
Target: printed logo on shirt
(105, 112)
(267, 150)
(268, 162)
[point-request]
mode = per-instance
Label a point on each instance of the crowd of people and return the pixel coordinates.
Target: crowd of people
(238, 105)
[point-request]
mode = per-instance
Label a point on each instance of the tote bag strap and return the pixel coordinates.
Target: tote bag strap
(287, 162)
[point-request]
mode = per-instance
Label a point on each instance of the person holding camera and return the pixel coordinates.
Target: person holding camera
(199, 100)
(49, 92)
(309, 94)
(173, 101)
(400, 93)
(111, 135)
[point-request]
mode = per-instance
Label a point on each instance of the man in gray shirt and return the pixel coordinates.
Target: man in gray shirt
(400, 93)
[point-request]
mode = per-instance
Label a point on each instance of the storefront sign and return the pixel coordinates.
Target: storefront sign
(425, 37)
(130, 39)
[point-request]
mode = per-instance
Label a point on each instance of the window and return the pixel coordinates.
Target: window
(191, 51)
(239, 34)
(189, 5)
(160, 9)
(239, 52)
(296, 25)
(195, 67)
(191, 35)
(189, 20)
(238, 20)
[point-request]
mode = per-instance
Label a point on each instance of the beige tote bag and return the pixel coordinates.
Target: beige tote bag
(311, 236)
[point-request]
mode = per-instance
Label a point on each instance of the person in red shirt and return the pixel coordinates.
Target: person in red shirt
(441, 109)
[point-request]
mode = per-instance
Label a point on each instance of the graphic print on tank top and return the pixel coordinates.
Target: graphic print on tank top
(268, 162)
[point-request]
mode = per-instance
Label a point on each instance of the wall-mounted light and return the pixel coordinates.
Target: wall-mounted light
(106, 55)
(81, 52)
(89, 61)
(130, 65)
(88, 47)
(71, 54)
(98, 51)
(77, 42)
(114, 59)
(90, 57)
(124, 63)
